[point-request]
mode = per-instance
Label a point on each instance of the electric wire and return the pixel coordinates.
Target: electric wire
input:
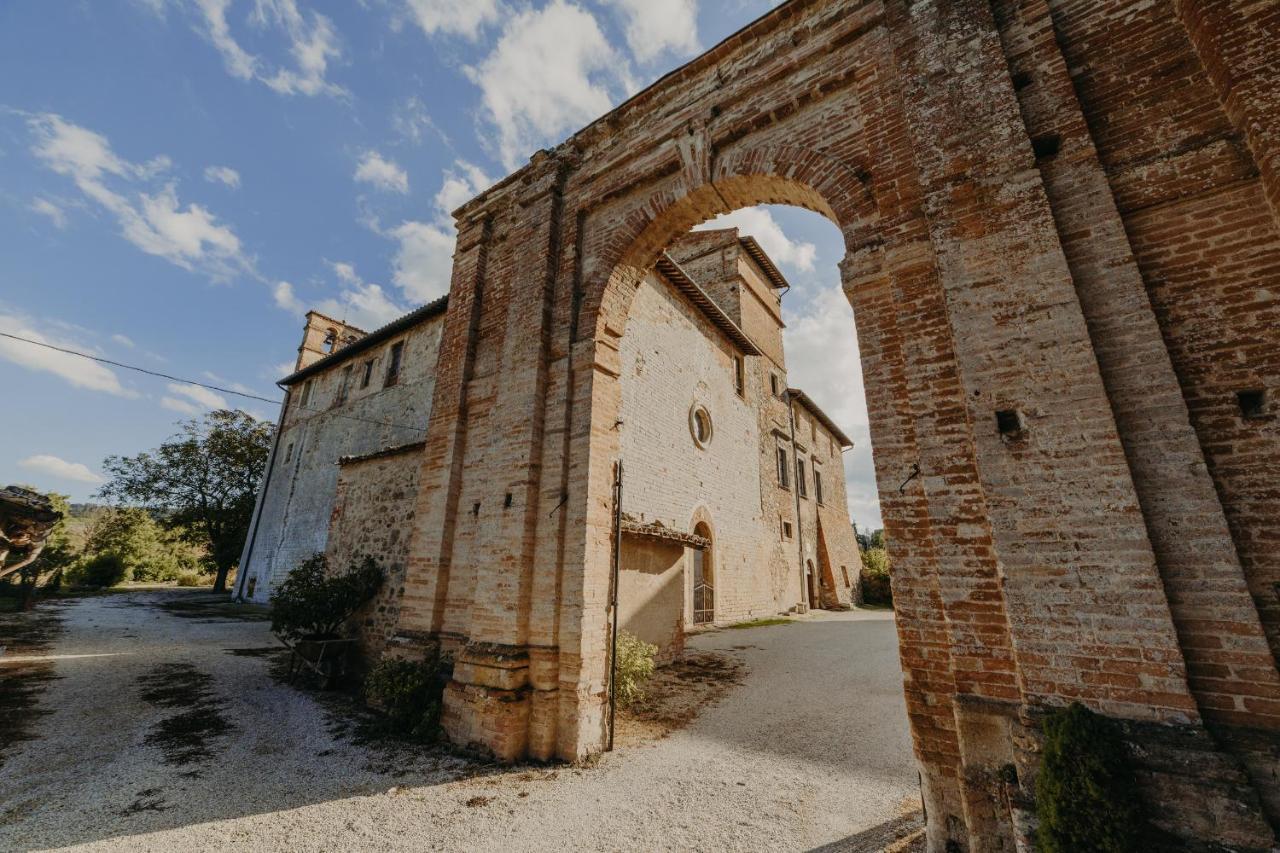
(219, 389)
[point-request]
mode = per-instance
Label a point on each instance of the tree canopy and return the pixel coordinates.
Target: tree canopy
(202, 481)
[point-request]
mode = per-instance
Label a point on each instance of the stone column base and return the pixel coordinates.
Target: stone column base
(487, 704)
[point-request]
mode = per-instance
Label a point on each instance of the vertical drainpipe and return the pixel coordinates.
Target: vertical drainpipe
(242, 573)
(795, 489)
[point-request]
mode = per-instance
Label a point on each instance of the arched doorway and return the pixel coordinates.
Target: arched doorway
(704, 584)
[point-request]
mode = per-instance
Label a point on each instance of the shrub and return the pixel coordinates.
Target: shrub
(312, 602)
(875, 577)
(102, 571)
(1085, 791)
(634, 667)
(194, 579)
(409, 695)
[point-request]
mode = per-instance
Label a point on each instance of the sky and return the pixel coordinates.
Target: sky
(181, 180)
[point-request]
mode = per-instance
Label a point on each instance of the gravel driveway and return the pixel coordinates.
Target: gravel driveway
(165, 731)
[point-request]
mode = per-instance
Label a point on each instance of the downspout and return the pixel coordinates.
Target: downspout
(242, 573)
(795, 472)
(613, 603)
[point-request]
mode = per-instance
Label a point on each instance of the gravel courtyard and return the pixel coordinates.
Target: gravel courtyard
(151, 721)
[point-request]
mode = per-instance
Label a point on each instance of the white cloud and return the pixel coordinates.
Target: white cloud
(54, 466)
(759, 223)
(191, 238)
(382, 173)
(56, 215)
(284, 297)
(461, 183)
(361, 303)
(551, 71)
(222, 175)
(655, 27)
(453, 17)
(424, 261)
(410, 120)
(124, 341)
(192, 399)
(276, 372)
(313, 44)
(79, 372)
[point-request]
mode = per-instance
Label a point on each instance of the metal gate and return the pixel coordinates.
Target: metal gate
(704, 592)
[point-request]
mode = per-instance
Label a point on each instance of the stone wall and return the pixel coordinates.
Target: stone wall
(372, 514)
(292, 521)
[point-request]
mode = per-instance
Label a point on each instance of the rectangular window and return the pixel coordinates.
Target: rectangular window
(784, 469)
(739, 376)
(773, 384)
(344, 386)
(306, 394)
(817, 484)
(368, 374)
(786, 530)
(801, 482)
(288, 453)
(393, 364)
(844, 570)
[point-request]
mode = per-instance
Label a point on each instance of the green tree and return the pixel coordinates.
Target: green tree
(147, 550)
(202, 482)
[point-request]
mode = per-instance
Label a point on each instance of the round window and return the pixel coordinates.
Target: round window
(700, 425)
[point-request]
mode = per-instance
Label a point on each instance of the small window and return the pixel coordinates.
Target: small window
(784, 469)
(817, 484)
(393, 364)
(786, 530)
(700, 425)
(367, 375)
(739, 376)
(844, 570)
(344, 386)
(1253, 404)
(802, 484)
(306, 394)
(288, 453)
(774, 385)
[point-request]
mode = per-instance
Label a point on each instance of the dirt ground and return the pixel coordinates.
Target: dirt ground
(152, 721)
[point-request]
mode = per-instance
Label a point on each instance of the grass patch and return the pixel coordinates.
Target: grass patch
(761, 623)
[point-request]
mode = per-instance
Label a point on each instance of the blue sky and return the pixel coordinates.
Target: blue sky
(181, 179)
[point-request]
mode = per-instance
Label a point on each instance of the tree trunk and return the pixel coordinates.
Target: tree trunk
(220, 580)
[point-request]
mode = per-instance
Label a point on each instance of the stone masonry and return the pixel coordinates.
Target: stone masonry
(1062, 224)
(1061, 221)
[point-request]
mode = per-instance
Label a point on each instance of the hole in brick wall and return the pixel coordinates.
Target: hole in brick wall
(1010, 422)
(506, 502)
(1046, 145)
(475, 509)
(1253, 403)
(1022, 80)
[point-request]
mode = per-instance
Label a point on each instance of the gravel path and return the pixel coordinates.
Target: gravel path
(160, 738)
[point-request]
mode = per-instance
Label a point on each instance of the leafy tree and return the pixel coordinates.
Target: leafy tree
(875, 576)
(201, 482)
(147, 550)
(876, 540)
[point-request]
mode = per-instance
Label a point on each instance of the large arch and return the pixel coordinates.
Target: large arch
(1046, 493)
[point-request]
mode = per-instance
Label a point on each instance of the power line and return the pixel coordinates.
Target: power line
(204, 385)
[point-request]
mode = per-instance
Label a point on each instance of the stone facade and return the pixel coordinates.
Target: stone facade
(1062, 224)
(339, 403)
(677, 365)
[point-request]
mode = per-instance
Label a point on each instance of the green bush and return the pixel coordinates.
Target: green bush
(634, 667)
(1085, 791)
(102, 571)
(875, 577)
(194, 579)
(314, 602)
(409, 695)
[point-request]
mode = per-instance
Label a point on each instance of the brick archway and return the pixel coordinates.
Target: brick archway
(1064, 523)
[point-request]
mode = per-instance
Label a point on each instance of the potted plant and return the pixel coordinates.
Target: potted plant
(309, 609)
